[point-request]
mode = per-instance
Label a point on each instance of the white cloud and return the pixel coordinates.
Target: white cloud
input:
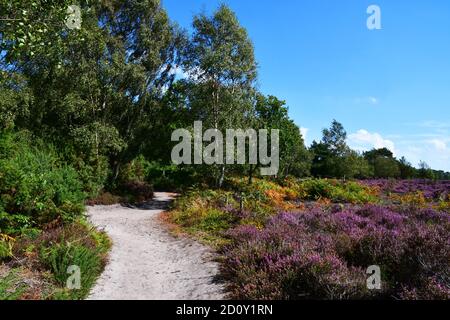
(367, 100)
(364, 141)
(304, 132)
(435, 151)
(432, 147)
(438, 144)
(373, 100)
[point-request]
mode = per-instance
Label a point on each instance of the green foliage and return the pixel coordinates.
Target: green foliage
(200, 213)
(221, 56)
(59, 257)
(335, 138)
(6, 246)
(49, 253)
(136, 170)
(294, 157)
(92, 174)
(30, 26)
(339, 192)
(386, 168)
(35, 187)
(332, 155)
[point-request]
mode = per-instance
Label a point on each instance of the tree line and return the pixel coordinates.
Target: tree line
(114, 91)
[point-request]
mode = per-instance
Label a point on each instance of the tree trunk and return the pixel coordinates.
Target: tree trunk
(250, 174)
(222, 176)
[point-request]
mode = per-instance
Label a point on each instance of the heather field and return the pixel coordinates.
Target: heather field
(315, 239)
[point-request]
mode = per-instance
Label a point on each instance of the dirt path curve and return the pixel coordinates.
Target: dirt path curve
(146, 262)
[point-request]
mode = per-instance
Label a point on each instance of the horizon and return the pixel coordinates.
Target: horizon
(387, 87)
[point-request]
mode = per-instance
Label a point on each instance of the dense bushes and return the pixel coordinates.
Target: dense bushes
(35, 187)
(41, 206)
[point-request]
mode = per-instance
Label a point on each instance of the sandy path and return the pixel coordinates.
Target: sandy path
(146, 262)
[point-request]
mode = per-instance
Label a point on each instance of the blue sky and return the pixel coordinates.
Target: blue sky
(389, 88)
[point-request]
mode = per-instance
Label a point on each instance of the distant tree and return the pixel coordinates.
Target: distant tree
(332, 157)
(375, 153)
(386, 168)
(323, 160)
(356, 166)
(407, 171)
(335, 138)
(294, 157)
(425, 171)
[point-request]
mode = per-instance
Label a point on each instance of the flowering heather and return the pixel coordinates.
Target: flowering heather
(433, 190)
(324, 254)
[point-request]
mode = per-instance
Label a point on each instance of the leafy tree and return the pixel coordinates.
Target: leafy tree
(29, 27)
(386, 168)
(406, 169)
(322, 163)
(220, 61)
(425, 171)
(294, 157)
(335, 139)
(98, 95)
(375, 153)
(355, 166)
(331, 155)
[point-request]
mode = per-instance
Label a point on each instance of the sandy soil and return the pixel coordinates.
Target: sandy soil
(146, 262)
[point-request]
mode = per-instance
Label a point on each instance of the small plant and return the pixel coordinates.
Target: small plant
(6, 246)
(59, 257)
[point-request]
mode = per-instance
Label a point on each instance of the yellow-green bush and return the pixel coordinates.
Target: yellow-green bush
(336, 191)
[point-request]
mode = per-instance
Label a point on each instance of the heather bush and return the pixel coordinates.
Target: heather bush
(61, 246)
(431, 190)
(323, 254)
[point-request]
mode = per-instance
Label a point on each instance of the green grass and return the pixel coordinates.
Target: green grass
(11, 286)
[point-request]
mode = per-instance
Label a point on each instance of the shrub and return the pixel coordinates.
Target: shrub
(93, 175)
(77, 244)
(59, 257)
(105, 199)
(6, 246)
(35, 187)
(136, 192)
(336, 191)
(136, 170)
